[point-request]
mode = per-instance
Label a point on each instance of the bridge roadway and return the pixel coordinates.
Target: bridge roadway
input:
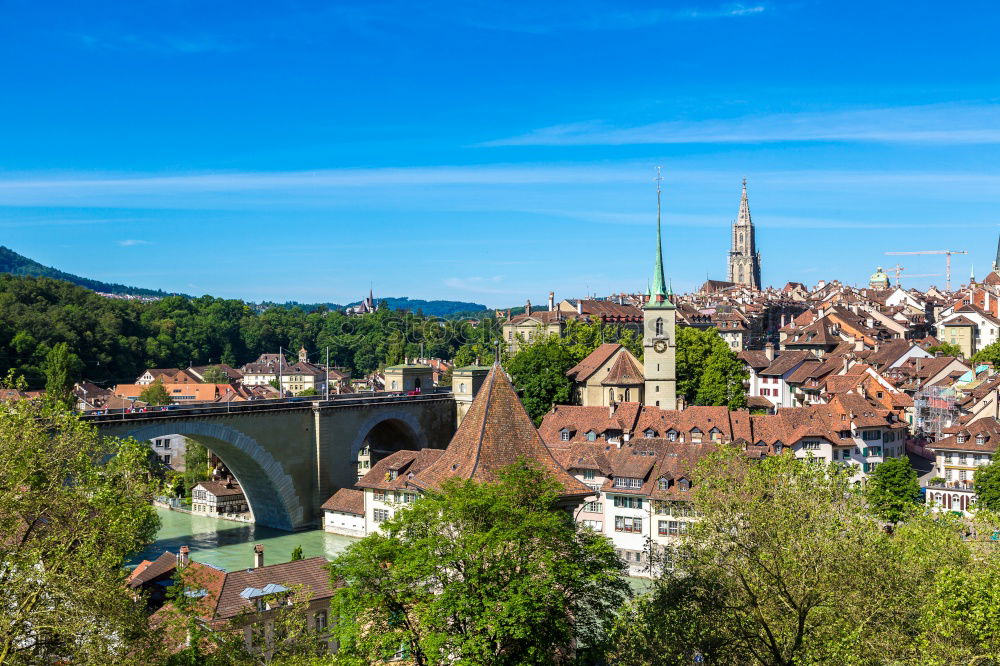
(290, 455)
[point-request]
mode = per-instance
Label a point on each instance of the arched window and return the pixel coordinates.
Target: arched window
(659, 326)
(611, 395)
(461, 387)
(627, 395)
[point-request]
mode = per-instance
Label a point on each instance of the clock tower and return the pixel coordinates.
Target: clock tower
(658, 341)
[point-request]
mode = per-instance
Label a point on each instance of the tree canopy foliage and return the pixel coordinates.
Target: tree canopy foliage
(988, 354)
(946, 349)
(987, 479)
(155, 394)
(893, 489)
(493, 573)
(708, 371)
(781, 570)
(73, 508)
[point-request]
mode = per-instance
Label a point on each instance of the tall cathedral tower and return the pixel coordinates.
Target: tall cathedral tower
(744, 259)
(659, 322)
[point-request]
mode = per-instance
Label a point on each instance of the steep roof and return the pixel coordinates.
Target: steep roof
(496, 432)
(595, 359)
(624, 372)
(346, 500)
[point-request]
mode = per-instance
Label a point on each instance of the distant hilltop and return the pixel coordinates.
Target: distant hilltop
(17, 264)
(12, 262)
(428, 308)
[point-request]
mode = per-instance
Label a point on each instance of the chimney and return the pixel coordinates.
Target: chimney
(611, 408)
(258, 556)
(552, 301)
(184, 556)
(527, 307)
(769, 351)
(859, 343)
(847, 363)
(579, 306)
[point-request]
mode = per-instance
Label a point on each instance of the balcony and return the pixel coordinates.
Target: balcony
(952, 485)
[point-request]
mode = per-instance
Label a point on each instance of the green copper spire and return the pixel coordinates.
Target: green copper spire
(996, 262)
(658, 290)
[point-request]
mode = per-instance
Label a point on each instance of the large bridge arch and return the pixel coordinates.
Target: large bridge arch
(268, 488)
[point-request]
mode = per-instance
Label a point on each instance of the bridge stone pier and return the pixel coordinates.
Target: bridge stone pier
(289, 457)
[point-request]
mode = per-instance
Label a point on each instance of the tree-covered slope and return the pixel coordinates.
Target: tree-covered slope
(16, 264)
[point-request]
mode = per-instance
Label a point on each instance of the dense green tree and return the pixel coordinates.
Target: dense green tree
(722, 378)
(155, 394)
(987, 480)
(73, 507)
(215, 375)
(196, 465)
(494, 573)
(988, 354)
(297, 554)
(538, 370)
(62, 368)
(694, 346)
(308, 392)
(946, 349)
(893, 489)
(777, 572)
(961, 620)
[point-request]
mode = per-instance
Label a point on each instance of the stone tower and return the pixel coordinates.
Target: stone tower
(744, 259)
(658, 341)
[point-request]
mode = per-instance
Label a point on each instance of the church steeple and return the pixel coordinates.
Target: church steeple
(744, 260)
(996, 262)
(659, 320)
(658, 288)
(744, 215)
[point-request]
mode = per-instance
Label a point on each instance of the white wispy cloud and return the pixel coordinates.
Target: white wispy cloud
(935, 123)
(459, 188)
(132, 242)
(162, 44)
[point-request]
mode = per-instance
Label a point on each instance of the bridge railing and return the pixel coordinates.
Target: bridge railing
(304, 402)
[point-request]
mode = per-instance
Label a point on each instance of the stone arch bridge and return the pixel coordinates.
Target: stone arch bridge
(290, 455)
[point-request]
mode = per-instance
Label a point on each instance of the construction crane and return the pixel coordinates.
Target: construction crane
(899, 274)
(947, 263)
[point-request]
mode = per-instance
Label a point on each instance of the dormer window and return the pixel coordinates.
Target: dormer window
(684, 485)
(960, 438)
(627, 482)
(591, 436)
(980, 439)
(564, 435)
(393, 474)
(672, 435)
(663, 483)
(649, 433)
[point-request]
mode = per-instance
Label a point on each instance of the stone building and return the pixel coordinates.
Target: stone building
(744, 259)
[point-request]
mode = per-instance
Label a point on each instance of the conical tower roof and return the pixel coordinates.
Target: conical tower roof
(744, 216)
(496, 432)
(658, 288)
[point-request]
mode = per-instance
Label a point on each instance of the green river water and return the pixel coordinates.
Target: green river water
(229, 545)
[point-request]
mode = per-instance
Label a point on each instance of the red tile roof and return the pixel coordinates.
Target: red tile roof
(346, 500)
(495, 432)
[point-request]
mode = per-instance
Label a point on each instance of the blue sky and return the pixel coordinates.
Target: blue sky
(492, 151)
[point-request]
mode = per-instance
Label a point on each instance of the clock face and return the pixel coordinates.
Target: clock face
(660, 346)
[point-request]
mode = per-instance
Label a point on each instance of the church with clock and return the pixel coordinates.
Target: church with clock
(611, 375)
(658, 340)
